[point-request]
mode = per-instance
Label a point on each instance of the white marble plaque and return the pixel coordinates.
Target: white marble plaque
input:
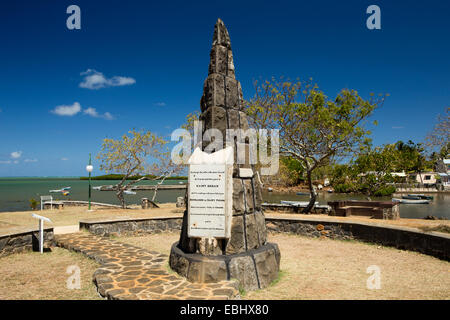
(210, 204)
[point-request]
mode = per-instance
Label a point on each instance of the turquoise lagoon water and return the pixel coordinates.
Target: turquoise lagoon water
(15, 194)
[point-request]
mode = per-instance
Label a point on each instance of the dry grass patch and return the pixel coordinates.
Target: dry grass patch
(35, 276)
(331, 269)
(161, 242)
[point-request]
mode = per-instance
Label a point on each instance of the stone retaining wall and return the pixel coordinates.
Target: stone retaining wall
(132, 226)
(20, 240)
(431, 243)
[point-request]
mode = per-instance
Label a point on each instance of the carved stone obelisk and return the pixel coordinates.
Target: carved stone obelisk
(245, 255)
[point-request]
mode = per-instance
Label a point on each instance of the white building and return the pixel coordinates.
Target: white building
(425, 177)
(445, 176)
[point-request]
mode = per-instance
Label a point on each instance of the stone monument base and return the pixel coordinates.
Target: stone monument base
(254, 269)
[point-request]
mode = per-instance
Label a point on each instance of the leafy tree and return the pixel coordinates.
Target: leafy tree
(138, 153)
(314, 129)
(294, 170)
(33, 204)
(375, 167)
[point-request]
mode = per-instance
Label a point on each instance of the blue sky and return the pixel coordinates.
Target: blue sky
(151, 58)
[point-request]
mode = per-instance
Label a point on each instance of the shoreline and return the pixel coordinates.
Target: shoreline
(71, 216)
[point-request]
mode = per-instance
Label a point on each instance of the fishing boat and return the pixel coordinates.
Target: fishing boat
(421, 196)
(62, 190)
(410, 197)
(129, 192)
(298, 203)
(411, 201)
(97, 187)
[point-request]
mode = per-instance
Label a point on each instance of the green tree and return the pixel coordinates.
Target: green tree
(138, 153)
(314, 129)
(375, 167)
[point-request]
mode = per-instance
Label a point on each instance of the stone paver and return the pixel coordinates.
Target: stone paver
(130, 272)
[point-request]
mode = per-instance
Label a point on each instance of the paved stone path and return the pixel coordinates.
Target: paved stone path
(130, 272)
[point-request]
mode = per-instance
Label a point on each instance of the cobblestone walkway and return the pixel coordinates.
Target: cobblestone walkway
(130, 272)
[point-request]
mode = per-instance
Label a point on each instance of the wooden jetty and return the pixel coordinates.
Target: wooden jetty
(148, 187)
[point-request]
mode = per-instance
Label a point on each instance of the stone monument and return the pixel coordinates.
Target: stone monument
(239, 251)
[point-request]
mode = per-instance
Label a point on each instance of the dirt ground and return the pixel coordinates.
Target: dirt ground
(72, 215)
(36, 276)
(332, 269)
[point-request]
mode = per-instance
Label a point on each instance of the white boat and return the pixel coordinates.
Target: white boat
(298, 203)
(60, 190)
(129, 192)
(97, 187)
(410, 201)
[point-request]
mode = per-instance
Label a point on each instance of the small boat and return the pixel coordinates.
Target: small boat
(421, 196)
(97, 188)
(303, 193)
(269, 189)
(410, 201)
(330, 191)
(65, 193)
(410, 197)
(298, 203)
(62, 190)
(129, 192)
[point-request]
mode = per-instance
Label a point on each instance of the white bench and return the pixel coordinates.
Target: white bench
(44, 199)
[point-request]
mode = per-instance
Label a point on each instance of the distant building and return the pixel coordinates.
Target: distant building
(427, 178)
(444, 172)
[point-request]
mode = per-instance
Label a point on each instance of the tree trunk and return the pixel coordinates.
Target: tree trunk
(312, 201)
(121, 198)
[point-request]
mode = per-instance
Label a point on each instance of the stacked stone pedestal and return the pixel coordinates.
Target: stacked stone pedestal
(246, 255)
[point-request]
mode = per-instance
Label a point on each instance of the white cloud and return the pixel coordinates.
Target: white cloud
(75, 108)
(96, 80)
(160, 104)
(30, 160)
(93, 113)
(67, 110)
(16, 154)
(5, 162)
(64, 159)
